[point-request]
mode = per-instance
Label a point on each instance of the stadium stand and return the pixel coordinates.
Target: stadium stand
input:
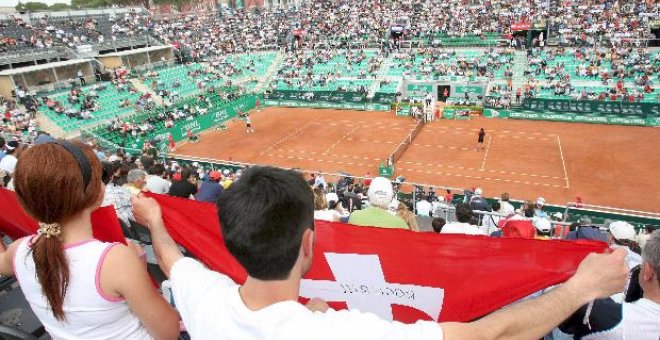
(107, 101)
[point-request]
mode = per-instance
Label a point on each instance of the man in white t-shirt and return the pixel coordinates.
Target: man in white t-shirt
(8, 162)
(423, 207)
(506, 208)
(276, 249)
(155, 182)
(462, 226)
(639, 320)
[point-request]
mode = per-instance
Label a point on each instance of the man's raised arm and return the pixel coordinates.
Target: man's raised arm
(598, 276)
(147, 212)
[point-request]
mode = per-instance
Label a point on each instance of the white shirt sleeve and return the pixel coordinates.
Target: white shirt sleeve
(191, 283)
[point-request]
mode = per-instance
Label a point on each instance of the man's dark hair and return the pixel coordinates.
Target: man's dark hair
(157, 169)
(108, 171)
(2, 142)
(263, 217)
(463, 213)
(438, 223)
(185, 173)
(529, 211)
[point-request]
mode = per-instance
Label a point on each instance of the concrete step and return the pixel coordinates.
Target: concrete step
(49, 126)
(272, 70)
(380, 75)
(146, 89)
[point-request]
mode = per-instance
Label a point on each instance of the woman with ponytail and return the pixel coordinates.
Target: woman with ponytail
(79, 287)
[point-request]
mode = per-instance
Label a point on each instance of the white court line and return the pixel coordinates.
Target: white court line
(442, 146)
(318, 160)
(341, 139)
(475, 169)
(561, 153)
(432, 127)
(372, 141)
(333, 155)
(485, 178)
(413, 144)
(295, 132)
(359, 122)
(483, 163)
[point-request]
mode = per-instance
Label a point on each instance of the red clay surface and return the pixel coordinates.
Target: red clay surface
(604, 164)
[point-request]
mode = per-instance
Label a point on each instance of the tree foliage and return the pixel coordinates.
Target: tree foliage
(31, 6)
(59, 6)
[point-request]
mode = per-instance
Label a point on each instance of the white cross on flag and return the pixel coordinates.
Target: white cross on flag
(359, 281)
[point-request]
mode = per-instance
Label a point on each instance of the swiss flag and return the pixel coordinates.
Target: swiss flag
(398, 274)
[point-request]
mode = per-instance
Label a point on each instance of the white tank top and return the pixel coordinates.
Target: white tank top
(90, 314)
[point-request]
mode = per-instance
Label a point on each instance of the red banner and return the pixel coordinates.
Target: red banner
(398, 274)
(15, 223)
(521, 26)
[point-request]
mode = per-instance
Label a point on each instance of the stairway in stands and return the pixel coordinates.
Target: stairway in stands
(141, 87)
(380, 75)
(48, 126)
(551, 38)
(520, 64)
(272, 71)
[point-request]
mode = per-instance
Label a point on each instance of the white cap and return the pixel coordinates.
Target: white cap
(542, 224)
(380, 192)
(478, 191)
(331, 196)
(540, 201)
(558, 215)
(621, 230)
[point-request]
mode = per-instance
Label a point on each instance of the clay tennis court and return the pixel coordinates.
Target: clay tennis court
(603, 164)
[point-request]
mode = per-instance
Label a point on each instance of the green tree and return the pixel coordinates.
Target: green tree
(90, 3)
(33, 6)
(59, 6)
(20, 7)
(178, 4)
(107, 3)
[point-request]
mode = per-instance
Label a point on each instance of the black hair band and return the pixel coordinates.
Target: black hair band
(83, 162)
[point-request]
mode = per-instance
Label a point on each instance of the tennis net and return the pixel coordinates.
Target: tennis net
(403, 146)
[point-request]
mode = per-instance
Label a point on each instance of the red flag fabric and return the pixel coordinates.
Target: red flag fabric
(15, 223)
(398, 274)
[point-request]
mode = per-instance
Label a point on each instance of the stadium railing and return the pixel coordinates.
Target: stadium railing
(563, 224)
(604, 213)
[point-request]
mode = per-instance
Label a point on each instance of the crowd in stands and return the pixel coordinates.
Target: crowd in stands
(73, 31)
(82, 102)
(342, 23)
(437, 62)
(328, 70)
(591, 22)
(18, 119)
(599, 64)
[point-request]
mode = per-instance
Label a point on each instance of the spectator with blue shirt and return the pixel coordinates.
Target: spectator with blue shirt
(538, 209)
(210, 189)
(2, 147)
